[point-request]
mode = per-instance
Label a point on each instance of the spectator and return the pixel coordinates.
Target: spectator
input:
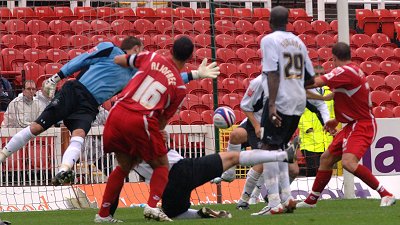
(23, 109)
(6, 93)
(43, 99)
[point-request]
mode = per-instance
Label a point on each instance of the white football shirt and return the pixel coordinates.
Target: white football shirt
(255, 97)
(284, 52)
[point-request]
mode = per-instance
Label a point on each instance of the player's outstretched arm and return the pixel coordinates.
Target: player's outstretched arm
(122, 60)
(315, 82)
(206, 71)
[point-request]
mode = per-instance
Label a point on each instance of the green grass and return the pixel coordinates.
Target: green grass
(328, 212)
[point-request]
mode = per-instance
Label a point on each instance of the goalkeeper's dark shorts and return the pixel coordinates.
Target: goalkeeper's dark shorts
(252, 140)
(74, 105)
(185, 176)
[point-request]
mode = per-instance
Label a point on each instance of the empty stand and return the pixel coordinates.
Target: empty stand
(382, 112)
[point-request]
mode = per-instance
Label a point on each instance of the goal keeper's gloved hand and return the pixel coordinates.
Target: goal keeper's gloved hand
(206, 71)
(49, 85)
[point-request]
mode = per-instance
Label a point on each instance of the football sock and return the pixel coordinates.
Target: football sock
(113, 189)
(366, 176)
(254, 157)
(18, 141)
(251, 181)
(235, 148)
(257, 188)
(158, 181)
(114, 206)
(72, 153)
(284, 182)
(271, 178)
(190, 214)
(321, 180)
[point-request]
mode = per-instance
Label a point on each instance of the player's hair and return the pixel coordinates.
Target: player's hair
(279, 17)
(129, 42)
(182, 49)
(342, 51)
(28, 81)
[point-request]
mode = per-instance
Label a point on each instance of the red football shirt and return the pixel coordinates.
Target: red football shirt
(352, 97)
(157, 88)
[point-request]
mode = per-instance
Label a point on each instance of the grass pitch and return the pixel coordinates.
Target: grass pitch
(328, 212)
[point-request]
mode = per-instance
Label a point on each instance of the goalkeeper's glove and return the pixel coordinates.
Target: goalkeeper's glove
(49, 85)
(206, 71)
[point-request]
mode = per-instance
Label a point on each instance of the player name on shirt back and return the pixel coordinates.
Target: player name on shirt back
(164, 70)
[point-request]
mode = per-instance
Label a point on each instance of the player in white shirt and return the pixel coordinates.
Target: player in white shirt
(186, 174)
(285, 65)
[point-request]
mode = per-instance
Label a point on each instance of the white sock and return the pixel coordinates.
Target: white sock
(235, 148)
(229, 173)
(72, 153)
(257, 190)
(254, 157)
(190, 214)
(284, 182)
(271, 171)
(18, 141)
(251, 181)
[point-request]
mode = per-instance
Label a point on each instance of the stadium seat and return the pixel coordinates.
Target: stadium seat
(313, 54)
(250, 69)
(58, 41)
(233, 85)
(247, 41)
(24, 13)
(382, 112)
(377, 97)
(304, 27)
(202, 26)
(362, 40)
(147, 42)
(9, 55)
(369, 67)
(393, 81)
(384, 53)
(102, 27)
(375, 81)
(32, 71)
(183, 26)
(208, 99)
(117, 39)
(164, 52)
(80, 41)
(207, 84)
(57, 55)
(262, 27)
(52, 68)
(96, 39)
(145, 27)
(228, 69)
(225, 14)
(325, 53)
(395, 96)
(300, 14)
(396, 111)
(226, 27)
(324, 40)
(226, 41)
(202, 41)
(203, 13)
(328, 66)
(195, 103)
(248, 55)
(186, 13)
(232, 100)
(39, 27)
(364, 53)
(37, 41)
(123, 26)
(10, 40)
(381, 40)
(240, 116)
(191, 117)
(162, 25)
(81, 27)
(246, 82)
(389, 66)
(6, 14)
(60, 27)
(147, 13)
(85, 13)
(367, 21)
(246, 27)
(166, 13)
(243, 14)
(163, 41)
(202, 53)
(126, 13)
(321, 26)
(386, 21)
(207, 116)
(65, 13)
(309, 41)
(106, 13)
(261, 13)
(17, 27)
(33, 54)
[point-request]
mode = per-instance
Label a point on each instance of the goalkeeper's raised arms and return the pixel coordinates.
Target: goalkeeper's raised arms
(49, 85)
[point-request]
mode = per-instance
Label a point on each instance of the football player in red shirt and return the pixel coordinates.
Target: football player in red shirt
(353, 108)
(133, 127)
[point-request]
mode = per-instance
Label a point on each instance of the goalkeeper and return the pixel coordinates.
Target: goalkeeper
(186, 174)
(78, 100)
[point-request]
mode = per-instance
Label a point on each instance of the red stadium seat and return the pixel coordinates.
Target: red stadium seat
(195, 103)
(324, 40)
(10, 40)
(117, 39)
(224, 14)
(52, 68)
(233, 85)
(377, 97)
(248, 41)
(39, 27)
(145, 27)
(80, 41)
(37, 41)
(300, 14)
(380, 40)
(246, 27)
(32, 71)
(382, 112)
(33, 54)
(106, 13)
(202, 41)
(65, 13)
(183, 26)
(203, 13)
(232, 100)
(364, 53)
(24, 13)
(58, 41)
(6, 14)
(226, 27)
(208, 99)
(162, 25)
(191, 117)
(81, 27)
(248, 55)
(227, 69)
(147, 13)
(386, 20)
(384, 53)
(163, 41)
(243, 14)
(96, 39)
(361, 40)
(395, 96)
(240, 116)
(207, 116)
(121, 26)
(17, 27)
(325, 53)
(389, 66)
(321, 26)
(246, 82)
(227, 41)
(102, 27)
(393, 81)
(125, 13)
(328, 66)
(308, 40)
(60, 26)
(9, 55)
(375, 81)
(202, 26)
(261, 13)
(396, 111)
(186, 13)
(85, 12)
(367, 21)
(166, 13)
(313, 54)
(262, 27)
(45, 13)
(74, 53)
(369, 67)
(302, 27)
(249, 69)
(57, 55)
(228, 55)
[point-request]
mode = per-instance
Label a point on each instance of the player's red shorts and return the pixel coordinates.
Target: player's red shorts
(133, 133)
(354, 138)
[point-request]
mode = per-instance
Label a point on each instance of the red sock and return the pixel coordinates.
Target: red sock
(366, 176)
(158, 182)
(113, 188)
(321, 180)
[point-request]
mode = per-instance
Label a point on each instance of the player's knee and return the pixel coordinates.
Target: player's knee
(79, 132)
(350, 163)
(36, 128)
(238, 136)
(326, 161)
